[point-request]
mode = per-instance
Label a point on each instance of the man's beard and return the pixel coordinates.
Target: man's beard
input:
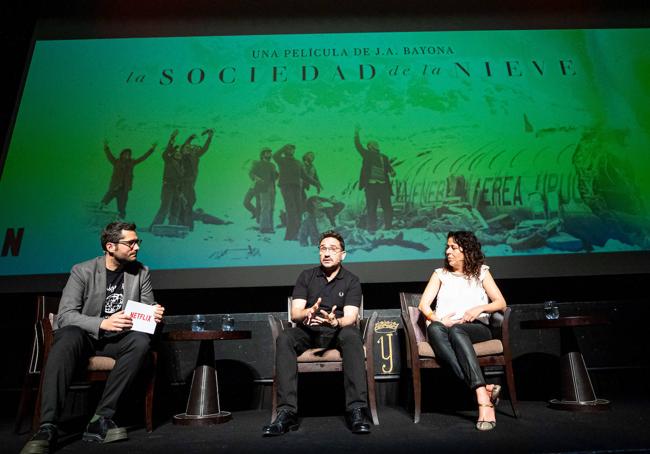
(124, 261)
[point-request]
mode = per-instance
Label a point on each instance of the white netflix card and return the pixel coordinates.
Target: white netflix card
(142, 316)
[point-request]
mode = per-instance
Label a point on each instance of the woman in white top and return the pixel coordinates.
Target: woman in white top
(465, 295)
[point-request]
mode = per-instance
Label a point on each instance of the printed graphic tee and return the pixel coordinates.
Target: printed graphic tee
(114, 294)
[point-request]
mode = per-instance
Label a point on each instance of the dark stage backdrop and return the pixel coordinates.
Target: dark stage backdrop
(536, 139)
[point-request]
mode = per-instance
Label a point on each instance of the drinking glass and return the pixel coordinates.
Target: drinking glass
(198, 323)
(227, 323)
(551, 310)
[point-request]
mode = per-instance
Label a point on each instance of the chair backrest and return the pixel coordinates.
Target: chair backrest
(410, 301)
(417, 323)
(290, 300)
(45, 305)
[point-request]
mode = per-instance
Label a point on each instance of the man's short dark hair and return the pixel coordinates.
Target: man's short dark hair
(112, 233)
(335, 235)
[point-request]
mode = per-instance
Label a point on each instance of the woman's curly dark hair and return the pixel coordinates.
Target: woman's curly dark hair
(471, 246)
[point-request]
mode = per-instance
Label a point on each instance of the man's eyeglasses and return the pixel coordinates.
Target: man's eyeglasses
(333, 250)
(131, 244)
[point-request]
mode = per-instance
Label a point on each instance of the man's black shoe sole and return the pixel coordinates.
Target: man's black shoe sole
(36, 447)
(111, 436)
(277, 434)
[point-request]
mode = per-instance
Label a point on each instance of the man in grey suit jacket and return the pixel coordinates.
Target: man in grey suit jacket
(91, 321)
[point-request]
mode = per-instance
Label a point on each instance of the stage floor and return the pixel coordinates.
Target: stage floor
(624, 428)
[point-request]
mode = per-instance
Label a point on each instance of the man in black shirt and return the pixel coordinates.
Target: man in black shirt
(91, 321)
(325, 308)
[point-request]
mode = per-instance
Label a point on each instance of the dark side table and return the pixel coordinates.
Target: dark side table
(577, 391)
(203, 407)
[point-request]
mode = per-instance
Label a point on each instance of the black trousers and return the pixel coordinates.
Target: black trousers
(167, 194)
(121, 195)
(292, 196)
(248, 198)
(69, 354)
(292, 342)
(186, 204)
(375, 194)
(453, 346)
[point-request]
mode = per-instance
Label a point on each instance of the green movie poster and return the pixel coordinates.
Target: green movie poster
(239, 150)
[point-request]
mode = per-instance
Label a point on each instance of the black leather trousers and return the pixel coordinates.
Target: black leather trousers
(453, 347)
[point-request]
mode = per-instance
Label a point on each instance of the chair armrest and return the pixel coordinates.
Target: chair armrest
(368, 327)
(505, 333)
(496, 319)
(408, 300)
(276, 327)
(369, 342)
(496, 324)
(412, 353)
(48, 338)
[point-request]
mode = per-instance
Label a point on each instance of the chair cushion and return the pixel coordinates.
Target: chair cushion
(101, 363)
(315, 355)
(491, 347)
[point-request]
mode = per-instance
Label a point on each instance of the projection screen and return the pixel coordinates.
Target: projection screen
(231, 153)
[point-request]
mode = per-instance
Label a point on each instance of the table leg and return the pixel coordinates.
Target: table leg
(577, 391)
(203, 406)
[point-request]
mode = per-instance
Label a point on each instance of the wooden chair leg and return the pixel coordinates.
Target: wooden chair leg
(417, 393)
(372, 398)
(148, 403)
(26, 400)
(512, 393)
(36, 420)
(148, 410)
(370, 369)
(274, 400)
(148, 400)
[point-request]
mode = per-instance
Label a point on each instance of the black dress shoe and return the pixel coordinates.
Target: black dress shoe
(357, 421)
(104, 430)
(43, 441)
(285, 421)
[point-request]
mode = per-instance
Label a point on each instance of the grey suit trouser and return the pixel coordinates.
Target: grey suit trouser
(69, 354)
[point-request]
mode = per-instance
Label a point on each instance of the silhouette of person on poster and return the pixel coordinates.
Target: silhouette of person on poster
(312, 176)
(291, 180)
(263, 174)
(172, 172)
(190, 156)
(376, 172)
(122, 177)
(320, 215)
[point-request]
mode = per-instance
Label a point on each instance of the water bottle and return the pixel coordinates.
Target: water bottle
(198, 323)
